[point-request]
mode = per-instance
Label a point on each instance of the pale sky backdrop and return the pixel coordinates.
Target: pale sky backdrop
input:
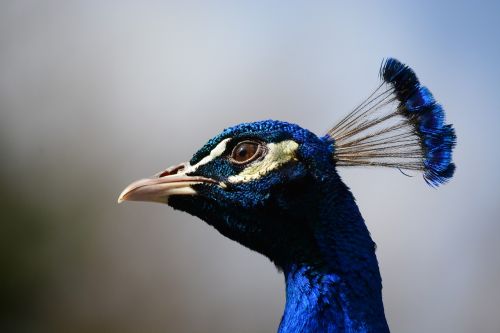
(95, 94)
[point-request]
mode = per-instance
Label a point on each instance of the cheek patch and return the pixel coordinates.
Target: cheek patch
(277, 155)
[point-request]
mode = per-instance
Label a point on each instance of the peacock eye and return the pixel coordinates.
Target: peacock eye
(246, 151)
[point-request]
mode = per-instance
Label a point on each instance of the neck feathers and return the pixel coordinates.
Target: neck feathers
(326, 302)
(342, 291)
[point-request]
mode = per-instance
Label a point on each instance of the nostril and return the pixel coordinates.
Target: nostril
(164, 173)
(172, 170)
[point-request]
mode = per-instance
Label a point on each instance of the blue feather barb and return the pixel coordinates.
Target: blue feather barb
(402, 127)
(418, 104)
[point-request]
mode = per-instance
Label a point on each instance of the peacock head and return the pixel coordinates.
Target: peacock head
(269, 184)
(257, 183)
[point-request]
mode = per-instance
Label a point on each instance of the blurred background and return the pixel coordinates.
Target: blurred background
(95, 94)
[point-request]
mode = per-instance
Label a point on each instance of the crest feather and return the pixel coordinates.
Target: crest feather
(400, 125)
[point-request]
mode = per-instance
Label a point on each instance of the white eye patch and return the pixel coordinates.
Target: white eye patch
(277, 155)
(216, 152)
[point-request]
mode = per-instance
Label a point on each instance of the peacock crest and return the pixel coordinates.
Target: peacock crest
(400, 125)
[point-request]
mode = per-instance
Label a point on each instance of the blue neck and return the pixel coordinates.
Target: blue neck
(340, 290)
(325, 303)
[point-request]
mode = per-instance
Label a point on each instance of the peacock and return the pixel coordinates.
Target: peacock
(273, 187)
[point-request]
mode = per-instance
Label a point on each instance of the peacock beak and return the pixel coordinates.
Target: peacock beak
(172, 181)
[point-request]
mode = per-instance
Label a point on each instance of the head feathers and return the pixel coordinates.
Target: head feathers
(399, 125)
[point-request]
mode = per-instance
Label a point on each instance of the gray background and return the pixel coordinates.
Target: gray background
(95, 94)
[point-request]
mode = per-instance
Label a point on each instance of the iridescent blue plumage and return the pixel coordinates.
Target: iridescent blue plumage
(418, 104)
(399, 126)
(273, 187)
(304, 219)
